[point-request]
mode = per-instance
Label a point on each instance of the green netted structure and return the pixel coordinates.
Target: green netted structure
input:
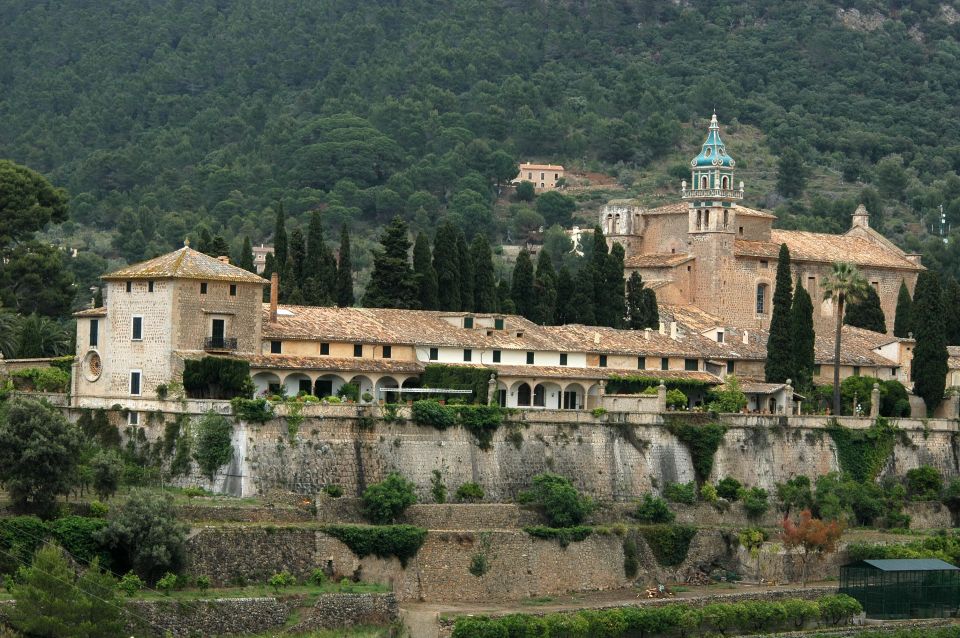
(903, 588)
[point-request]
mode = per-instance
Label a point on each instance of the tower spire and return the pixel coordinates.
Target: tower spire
(712, 192)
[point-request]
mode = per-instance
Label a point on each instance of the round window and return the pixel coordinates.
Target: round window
(92, 366)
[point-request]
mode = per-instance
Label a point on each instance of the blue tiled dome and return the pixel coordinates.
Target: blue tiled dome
(713, 153)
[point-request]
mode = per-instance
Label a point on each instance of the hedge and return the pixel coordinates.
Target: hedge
(217, 378)
(383, 541)
(41, 379)
(669, 543)
(21, 536)
(565, 535)
(625, 622)
(481, 421)
(438, 375)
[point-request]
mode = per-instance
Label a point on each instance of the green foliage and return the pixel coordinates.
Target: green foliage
(681, 493)
(349, 391)
(431, 413)
(20, 536)
(51, 601)
(559, 501)
(945, 546)
(38, 455)
(384, 502)
(795, 494)
(78, 536)
(217, 378)
(631, 561)
(107, 468)
(927, 320)
(924, 483)
(479, 564)
(130, 584)
(729, 488)
(437, 375)
(401, 541)
(755, 501)
(901, 322)
(779, 364)
(863, 453)
(564, 535)
(392, 282)
(203, 583)
(41, 379)
(894, 399)
(281, 580)
(729, 400)
(469, 493)
(702, 441)
(653, 509)
(212, 443)
(482, 421)
(866, 313)
(636, 384)
(167, 583)
(676, 399)
(842, 498)
(669, 543)
(802, 338)
(438, 488)
(708, 493)
(251, 410)
(333, 491)
(317, 577)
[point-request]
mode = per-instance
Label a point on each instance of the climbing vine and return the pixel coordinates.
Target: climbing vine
(863, 453)
(213, 447)
(702, 441)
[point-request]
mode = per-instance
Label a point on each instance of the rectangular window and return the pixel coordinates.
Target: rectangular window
(94, 332)
(764, 263)
(358, 349)
(137, 328)
(149, 286)
(761, 298)
(816, 370)
(641, 363)
(203, 288)
(740, 230)
(468, 322)
(541, 175)
(529, 358)
(876, 285)
(135, 382)
(691, 364)
(719, 336)
(133, 418)
(387, 352)
(603, 361)
(664, 363)
(563, 358)
(811, 285)
(324, 348)
(730, 367)
(498, 323)
(275, 347)
(467, 354)
(893, 372)
(233, 290)
(496, 356)
(129, 286)
(434, 354)
(856, 371)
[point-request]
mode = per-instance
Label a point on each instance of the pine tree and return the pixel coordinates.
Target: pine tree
(521, 285)
(779, 364)
(544, 290)
(866, 313)
(344, 271)
(951, 301)
(425, 275)
(245, 258)
(297, 248)
(635, 307)
(565, 292)
(392, 283)
(321, 269)
(280, 237)
(446, 263)
(218, 247)
(803, 338)
(901, 321)
(598, 272)
(466, 273)
(615, 297)
(484, 277)
(929, 368)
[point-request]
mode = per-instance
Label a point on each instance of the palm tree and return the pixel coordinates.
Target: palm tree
(9, 333)
(846, 284)
(42, 337)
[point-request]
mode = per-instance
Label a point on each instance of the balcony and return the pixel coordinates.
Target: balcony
(711, 193)
(220, 344)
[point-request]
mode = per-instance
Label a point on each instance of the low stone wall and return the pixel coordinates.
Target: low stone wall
(238, 555)
(929, 515)
(207, 617)
(238, 514)
(344, 610)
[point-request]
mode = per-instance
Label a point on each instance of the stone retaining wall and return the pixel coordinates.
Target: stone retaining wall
(344, 610)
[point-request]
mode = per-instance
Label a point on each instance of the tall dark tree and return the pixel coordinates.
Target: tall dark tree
(35, 279)
(901, 321)
(484, 277)
(392, 283)
(929, 367)
(565, 292)
(204, 241)
(280, 238)
(244, 259)
(651, 311)
(581, 304)
(504, 300)
(344, 271)
(615, 297)
(218, 247)
(466, 273)
(544, 290)
(791, 174)
(779, 364)
(28, 202)
(597, 271)
(636, 318)
(951, 302)
(426, 276)
(521, 285)
(321, 269)
(867, 313)
(803, 338)
(297, 250)
(446, 263)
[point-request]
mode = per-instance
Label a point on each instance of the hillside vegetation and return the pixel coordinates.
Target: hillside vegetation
(163, 116)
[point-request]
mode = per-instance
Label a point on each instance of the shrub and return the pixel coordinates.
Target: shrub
(20, 536)
(708, 493)
(729, 488)
(755, 501)
(653, 509)
(479, 565)
(681, 493)
(217, 378)
(203, 583)
(437, 487)
(367, 397)
(333, 491)
(481, 421)
(213, 443)
(281, 580)
(402, 541)
(469, 493)
(98, 509)
(429, 412)
(349, 391)
(251, 410)
(438, 375)
(167, 583)
(730, 399)
(107, 467)
(558, 500)
(130, 584)
(318, 577)
(631, 562)
(41, 379)
(384, 502)
(565, 535)
(669, 543)
(951, 496)
(924, 483)
(676, 399)
(78, 536)
(795, 494)
(835, 609)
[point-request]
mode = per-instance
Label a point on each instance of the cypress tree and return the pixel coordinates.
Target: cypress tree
(504, 301)
(344, 271)
(219, 247)
(287, 281)
(521, 285)
(581, 304)
(803, 338)
(321, 267)
(901, 321)
(204, 242)
(598, 273)
(929, 368)
(951, 301)
(426, 276)
(635, 306)
(269, 266)
(280, 237)
(779, 364)
(392, 283)
(245, 258)
(466, 273)
(866, 313)
(298, 258)
(544, 290)
(565, 292)
(615, 297)
(446, 263)
(485, 283)
(651, 312)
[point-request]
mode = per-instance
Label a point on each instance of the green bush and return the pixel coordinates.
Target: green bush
(708, 493)
(729, 400)
(631, 561)
(834, 609)
(481, 421)
(402, 541)
(557, 498)
(217, 378)
(729, 488)
(795, 494)
(167, 583)
(213, 447)
(565, 535)
(951, 495)
(839, 497)
(653, 509)
(669, 543)
(438, 375)
(333, 491)
(281, 580)
(863, 453)
(676, 399)
(20, 536)
(203, 583)
(350, 392)
(685, 493)
(78, 536)
(469, 493)
(318, 577)
(41, 379)
(755, 501)
(945, 546)
(438, 488)
(384, 502)
(130, 584)
(251, 410)
(98, 509)
(429, 412)
(924, 483)
(702, 441)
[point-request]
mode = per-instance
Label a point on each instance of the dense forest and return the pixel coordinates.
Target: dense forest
(162, 118)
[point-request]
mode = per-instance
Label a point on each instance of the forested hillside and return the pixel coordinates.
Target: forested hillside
(159, 116)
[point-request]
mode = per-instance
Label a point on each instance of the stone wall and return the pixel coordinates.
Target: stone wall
(344, 610)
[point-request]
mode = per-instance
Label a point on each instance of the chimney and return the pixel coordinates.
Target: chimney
(274, 296)
(662, 328)
(223, 259)
(673, 330)
(746, 338)
(646, 334)
(861, 217)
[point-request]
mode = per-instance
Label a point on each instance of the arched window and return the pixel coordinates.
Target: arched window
(725, 216)
(703, 182)
(523, 394)
(609, 223)
(706, 220)
(761, 298)
(540, 396)
(725, 182)
(616, 224)
(699, 219)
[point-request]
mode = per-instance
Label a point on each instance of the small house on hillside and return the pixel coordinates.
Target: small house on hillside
(903, 588)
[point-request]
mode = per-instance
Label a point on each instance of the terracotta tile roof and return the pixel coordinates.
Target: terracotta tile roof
(682, 207)
(334, 364)
(594, 373)
(824, 248)
(657, 260)
(953, 360)
(91, 312)
(544, 167)
(186, 263)
(601, 340)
